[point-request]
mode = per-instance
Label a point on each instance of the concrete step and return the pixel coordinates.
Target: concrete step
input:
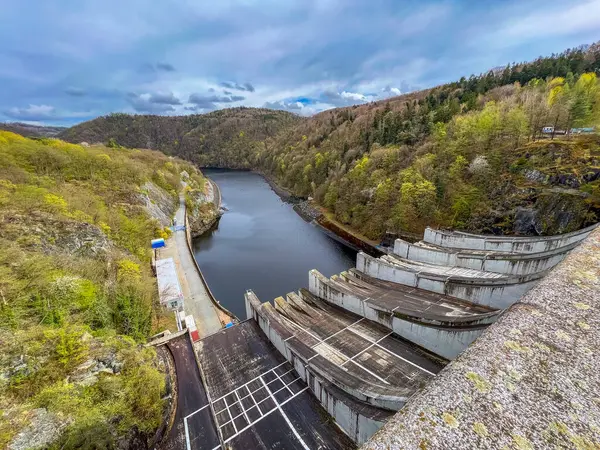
(496, 291)
(512, 244)
(482, 260)
(440, 324)
(358, 356)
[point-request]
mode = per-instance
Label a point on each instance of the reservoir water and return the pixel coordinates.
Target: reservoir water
(261, 244)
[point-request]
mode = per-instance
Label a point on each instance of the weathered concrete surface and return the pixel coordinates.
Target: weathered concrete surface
(500, 262)
(355, 367)
(258, 400)
(358, 419)
(438, 323)
(197, 301)
(523, 244)
(484, 288)
(532, 380)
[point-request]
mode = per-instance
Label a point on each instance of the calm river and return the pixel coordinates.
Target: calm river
(262, 244)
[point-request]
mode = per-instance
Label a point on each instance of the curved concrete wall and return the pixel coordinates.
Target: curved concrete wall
(498, 293)
(348, 415)
(290, 346)
(359, 427)
(538, 367)
(510, 264)
(447, 342)
(523, 244)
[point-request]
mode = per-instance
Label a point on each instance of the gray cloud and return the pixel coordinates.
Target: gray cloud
(238, 87)
(200, 102)
(208, 101)
(166, 67)
(284, 106)
(164, 98)
(405, 87)
(144, 104)
(224, 92)
(290, 52)
(346, 98)
(45, 113)
(157, 67)
(32, 113)
(75, 92)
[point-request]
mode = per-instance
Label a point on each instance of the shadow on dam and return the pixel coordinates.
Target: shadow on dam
(261, 244)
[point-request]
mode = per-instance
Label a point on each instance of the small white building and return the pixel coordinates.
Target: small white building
(169, 289)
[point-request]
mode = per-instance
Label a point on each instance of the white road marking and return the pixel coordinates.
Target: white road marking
(187, 434)
(334, 350)
(252, 392)
(185, 427)
(364, 350)
(230, 417)
(338, 332)
(242, 406)
(354, 362)
(264, 415)
(255, 404)
(286, 417)
(248, 382)
(406, 360)
(283, 382)
(197, 411)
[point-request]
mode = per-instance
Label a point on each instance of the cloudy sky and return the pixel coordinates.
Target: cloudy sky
(66, 61)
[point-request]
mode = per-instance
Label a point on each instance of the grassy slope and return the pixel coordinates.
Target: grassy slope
(76, 287)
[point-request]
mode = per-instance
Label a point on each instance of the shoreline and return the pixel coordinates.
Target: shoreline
(316, 215)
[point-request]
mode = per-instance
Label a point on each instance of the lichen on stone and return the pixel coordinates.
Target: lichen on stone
(563, 336)
(450, 420)
(515, 375)
(481, 384)
(514, 345)
(583, 325)
(542, 347)
(522, 443)
(582, 306)
(480, 429)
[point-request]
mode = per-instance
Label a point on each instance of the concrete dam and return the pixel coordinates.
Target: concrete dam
(330, 366)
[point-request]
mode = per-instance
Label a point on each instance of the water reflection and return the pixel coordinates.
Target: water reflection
(262, 244)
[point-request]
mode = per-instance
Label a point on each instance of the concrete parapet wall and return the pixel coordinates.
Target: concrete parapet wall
(447, 342)
(498, 293)
(525, 244)
(530, 381)
(292, 348)
(358, 426)
(347, 414)
(215, 302)
(511, 264)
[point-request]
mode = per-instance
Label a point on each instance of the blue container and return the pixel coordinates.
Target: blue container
(158, 243)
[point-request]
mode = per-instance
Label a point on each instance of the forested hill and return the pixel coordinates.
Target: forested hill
(28, 130)
(214, 136)
(467, 154)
